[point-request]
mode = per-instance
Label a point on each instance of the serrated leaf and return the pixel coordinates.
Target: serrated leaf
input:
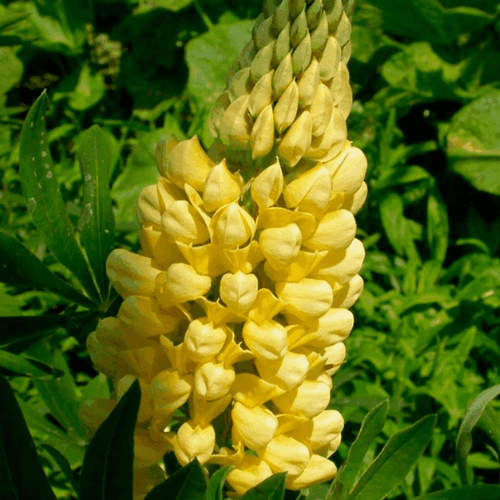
(19, 266)
(44, 200)
(216, 483)
(370, 428)
(272, 488)
(473, 146)
(107, 470)
(63, 464)
(18, 458)
(471, 418)
(478, 491)
(26, 367)
(97, 223)
(188, 483)
(395, 461)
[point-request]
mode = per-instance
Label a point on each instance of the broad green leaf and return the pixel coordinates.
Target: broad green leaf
(26, 367)
(401, 175)
(395, 461)
(89, 89)
(21, 475)
(188, 483)
(107, 468)
(59, 395)
(370, 428)
(216, 483)
(10, 305)
(12, 69)
(471, 418)
(437, 223)
(17, 328)
(473, 146)
(173, 5)
(96, 225)
(490, 424)
(44, 199)
(476, 492)
(272, 488)
(19, 266)
(428, 20)
(46, 432)
(210, 55)
(63, 464)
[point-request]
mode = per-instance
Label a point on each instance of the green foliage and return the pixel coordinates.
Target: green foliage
(105, 80)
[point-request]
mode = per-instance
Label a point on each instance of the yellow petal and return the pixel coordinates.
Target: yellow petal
(183, 223)
(206, 259)
(202, 341)
(148, 207)
(187, 163)
(326, 426)
(261, 95)
(147, 451)
(221, 187)
(334, 356)
(169, 391)
(330, 59)
(281, 245)
(232, 225)
(203, 411)
(296, 140)
(182, 283)
(348, 171)
(267, 186)
(160, 246)
(285, 454)
(236, 124)
(193, 441)
(308, 84)
(309, 399)
(262, 136)
(306, 299)
(330, 143)
(250, 472)
(268, 340)
(297, 269)
(321, 110)
(265, 307)
(284, 72)
(349, 293)
(355, 202)
(213, 380)
(318, 470)
(336, 230)
(251, 390)
(286, 108)
(254, 426)
(288, 372)
(131, 274)
(239, 291)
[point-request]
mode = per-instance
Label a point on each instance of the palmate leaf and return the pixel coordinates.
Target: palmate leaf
(394, 462)
(188, 483)
(107, 471)
(21, 475)
(44, 199)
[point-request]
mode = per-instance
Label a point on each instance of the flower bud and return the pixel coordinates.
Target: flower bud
(239, 291)
(232, 225)
(267, 341)
(301, 57)
(326, 426)
(221, 187)
(280, 245)
(308, 84)
(187, 163)
(349, 175)
(309, 399)
(262, 137)
(288, 372)
(321, 110)
(193, 441)
(202, 341)
(336, 230)
(131, 274)
(349, 293)
(334, 356)
(355, 202)
(254, 426)
(182, 283)
(306, 299)
(262, 62)
(286, 108)
(283, 75)
(267, 186)
(261, 95)
(317, 470)
(329, 60)
(183, 223)
(169, 391)
(331, 328)
(235, 124)
(296, 140)
(213, 380)
(284, 453)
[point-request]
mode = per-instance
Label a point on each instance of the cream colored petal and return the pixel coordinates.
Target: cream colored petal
(203, 411)
(232, 225)
(306, 299)
(309, 399)
(281, 245)
(160, 246)
(193, 441)
(265, 307)
(330, 59)
(267, 186)
(285, 454)
(182, 283)
(334, 356)
(148, 207)
(221, 187)
(131, 274)
(261, 95)
(268, 340)
(288, 372)
(336, 230)
(351, 173)
(251, 390)
(355, 202)
(202, 341)
(248, 474)
(183, 223)
(239, 291)
(280, 217)
(286, 108)
(349, 293)
(262, 136)
(169, 391)
(296, 140)
(298, 269)
(236, 124)
(340, 266)
(283, 75)
(326, 426)
(308, 84)
(187, 163)
(213, 380)
(254, 426)
(318, 470)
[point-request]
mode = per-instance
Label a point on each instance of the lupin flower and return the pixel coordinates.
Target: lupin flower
(238, 302)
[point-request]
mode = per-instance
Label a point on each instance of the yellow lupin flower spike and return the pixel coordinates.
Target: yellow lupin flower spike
(237, 305)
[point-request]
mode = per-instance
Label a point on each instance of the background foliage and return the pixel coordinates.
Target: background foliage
(427, 114)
